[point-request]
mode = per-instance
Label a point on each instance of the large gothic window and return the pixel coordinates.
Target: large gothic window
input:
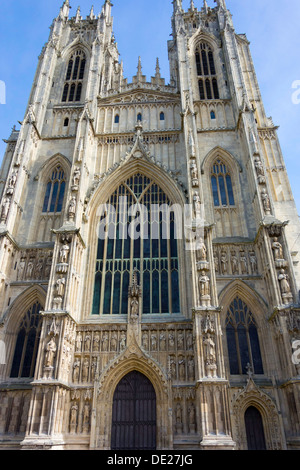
(206, 72)
(74, 77)
(55, 191)
(152, 252)
(26, 348)
(221, 185)
(242, 339)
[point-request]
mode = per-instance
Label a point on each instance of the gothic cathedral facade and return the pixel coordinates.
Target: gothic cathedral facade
(114, 341)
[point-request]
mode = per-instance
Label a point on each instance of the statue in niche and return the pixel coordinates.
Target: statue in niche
(178, 414)
(253, 262)
(134, 310)
(113, 342)
(234, 263)
(171, 340)
(60, 286)
(76, 179)
(224, 262)
(197, 204)
(5, 209)
(192, 418)
(191, 369)
(180, 340)
(64, 253)
(145, 341)
(153, 342)
(204, 288)
(259, 170)
(76, 367)
(73, 417)
(96, 342)
(277, 250)
(39, 268)
(194, 174)
(285, 287)
(86, 417)
(72, 208)
(21, 269)
(266, 201)
(50, 353)
(105, 342)
(87, 342)
(181, 370)
(191, 145)
(12, 183)
(85, 370)
(189, 341)
(29, 270)
(244, 263)
(123, 341)
(162, 339)
(93, 369)
(78, 342)
(201, 250)
(210, 356)
(172, 365)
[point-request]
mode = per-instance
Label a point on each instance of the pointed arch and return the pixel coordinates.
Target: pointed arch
(22, 327)
(133, 359)
(169, 269)
(218, 151)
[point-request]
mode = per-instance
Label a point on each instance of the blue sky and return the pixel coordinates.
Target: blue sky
(143, 28)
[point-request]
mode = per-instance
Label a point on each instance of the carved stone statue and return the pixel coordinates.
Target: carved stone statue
(285, 287)
(224, 262)
(244, 263)
(234, 263)
(50, 353)
(210, 356)
(253, 262)
(76, 179)
(259, 170)
(277, 250)
(204, 288)
(266, 201)
(60, 286)
(192, 418)
(64, 253)
(76, 367)
(4, 209)
(197, 204)
(201, 250)
(72, 208)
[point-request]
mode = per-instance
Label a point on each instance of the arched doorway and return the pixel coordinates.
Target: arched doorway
(134, 414)
(254, 429)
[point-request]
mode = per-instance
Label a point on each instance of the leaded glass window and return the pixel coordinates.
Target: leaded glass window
(242, 339)
(55, 191)
(206, 72)
(221, 185)
(152, 251)
(26, 348)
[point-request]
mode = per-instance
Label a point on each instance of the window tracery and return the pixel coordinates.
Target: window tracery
(74, 77)
(206, 72)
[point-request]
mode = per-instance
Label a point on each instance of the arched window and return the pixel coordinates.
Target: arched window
(162, 116)
(139, 117)
(55, 191)
(117, 119)
(212, 115)
(74, 77)
(66, 122)
(206, 72)
(26, 348)
(221, 185)
(242, 339)
(152, 252)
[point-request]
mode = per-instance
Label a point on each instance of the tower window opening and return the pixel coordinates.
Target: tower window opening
(205, 66)
(75, 73)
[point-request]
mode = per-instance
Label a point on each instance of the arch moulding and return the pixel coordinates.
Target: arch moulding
(132, 359)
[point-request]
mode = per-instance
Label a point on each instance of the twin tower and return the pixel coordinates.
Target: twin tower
(148, 342)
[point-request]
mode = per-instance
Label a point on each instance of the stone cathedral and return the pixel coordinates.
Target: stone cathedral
(148, 342)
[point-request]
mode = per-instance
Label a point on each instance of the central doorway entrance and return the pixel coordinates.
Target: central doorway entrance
(134, 414)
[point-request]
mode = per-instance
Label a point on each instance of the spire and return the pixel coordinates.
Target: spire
(177, 6)
(192, 5)
(78, 15)
(139, 71)
(221, 4)
(65, 10)
(157, 69)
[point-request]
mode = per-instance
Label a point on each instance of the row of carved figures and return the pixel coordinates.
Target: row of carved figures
(34, 266)
(235, 261)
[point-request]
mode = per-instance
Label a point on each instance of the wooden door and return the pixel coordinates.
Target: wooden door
(134, 414)
(254, 429)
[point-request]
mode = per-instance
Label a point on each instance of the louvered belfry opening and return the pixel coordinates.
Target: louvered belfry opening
(134, 414)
